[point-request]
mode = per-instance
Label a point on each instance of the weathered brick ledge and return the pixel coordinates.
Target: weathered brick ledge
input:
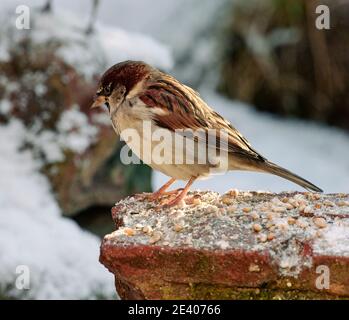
(240, 245)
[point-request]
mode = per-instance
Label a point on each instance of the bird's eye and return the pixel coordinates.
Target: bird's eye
(107, 89)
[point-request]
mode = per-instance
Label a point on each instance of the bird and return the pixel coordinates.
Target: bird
(135, 93)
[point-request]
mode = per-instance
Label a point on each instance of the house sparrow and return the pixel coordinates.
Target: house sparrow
(135, 92)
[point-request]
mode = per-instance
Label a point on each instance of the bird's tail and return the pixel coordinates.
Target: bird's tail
(283, 173)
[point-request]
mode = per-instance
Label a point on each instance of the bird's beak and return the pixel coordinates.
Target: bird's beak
(98, 102)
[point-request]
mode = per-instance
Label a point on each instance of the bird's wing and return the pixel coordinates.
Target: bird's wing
(180, 107)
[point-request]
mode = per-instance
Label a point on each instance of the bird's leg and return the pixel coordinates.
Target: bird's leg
(157, 194)
(182, 195)
(172, 191)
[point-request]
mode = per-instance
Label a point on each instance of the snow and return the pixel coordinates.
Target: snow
(92, 54)
(185, 27)
(76, 133)
(73, 133)
(62, 259)
(5, 106)
(250, 221)
(46, 142)
(335, 239)
(134, 46)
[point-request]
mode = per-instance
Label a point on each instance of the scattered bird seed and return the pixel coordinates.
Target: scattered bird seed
(301, 208)
(155, 237)
(288, 206)
(129, 232)
(318, 234)
(328, 203)
(196, 201)
(233, 192)
(320, 222)
(316, 196)
(284, 200)
(270, 215)
(255, 215)
(215, 225)
(293, 203)
(147, 229)
(302, 224)
(308, 209)
(279, 209)
(178, 227)
(291, 220)
(257, 227)
(263, 238)
(231, 209)
(227, 200)
(270, 236)
(269, 224)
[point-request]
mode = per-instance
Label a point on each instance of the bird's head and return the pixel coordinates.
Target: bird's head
(120, 81)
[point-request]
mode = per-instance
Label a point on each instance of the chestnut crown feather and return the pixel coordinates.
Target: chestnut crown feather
(127, 74)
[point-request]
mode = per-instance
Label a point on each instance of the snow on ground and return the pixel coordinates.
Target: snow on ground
(74, 133)
(91, 54)
(185, 26)
(335, 239)
(62, 259)
(315, 152)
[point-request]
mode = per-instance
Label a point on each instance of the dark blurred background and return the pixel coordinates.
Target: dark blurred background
(276, 60)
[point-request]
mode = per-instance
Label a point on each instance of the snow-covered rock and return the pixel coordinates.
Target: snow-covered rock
(61, 258)
(47, 81)
(239, 245)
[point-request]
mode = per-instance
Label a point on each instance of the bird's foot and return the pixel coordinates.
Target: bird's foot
(173, 201)
(156, 196)
(180, 197)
